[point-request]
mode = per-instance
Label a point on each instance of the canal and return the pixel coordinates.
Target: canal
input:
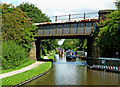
(75, 73)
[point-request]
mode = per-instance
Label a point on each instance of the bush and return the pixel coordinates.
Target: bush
(44, 50)
(48, 52)
(42, 56)
(13, 55)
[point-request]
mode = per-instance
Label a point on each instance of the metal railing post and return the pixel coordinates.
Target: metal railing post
(84, 15)
(69, 17)
(56, 18)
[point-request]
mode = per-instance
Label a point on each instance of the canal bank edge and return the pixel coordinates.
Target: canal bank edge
(33, 78)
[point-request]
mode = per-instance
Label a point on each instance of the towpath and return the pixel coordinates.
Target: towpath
(37, 63)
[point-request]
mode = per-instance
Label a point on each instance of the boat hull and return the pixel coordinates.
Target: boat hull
(70, 58)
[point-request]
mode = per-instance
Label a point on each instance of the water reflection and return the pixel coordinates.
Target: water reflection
(69, 74)
(75, 73)
(95, 77)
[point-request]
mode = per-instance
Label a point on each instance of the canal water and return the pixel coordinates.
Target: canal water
(75, 73)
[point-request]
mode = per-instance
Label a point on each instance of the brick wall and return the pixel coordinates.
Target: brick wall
(32, 53)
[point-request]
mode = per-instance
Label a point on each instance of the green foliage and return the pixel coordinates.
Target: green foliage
(109, 36)
(42, 56)
(29, 62)
(85, 45)
(73, 44)
(81, 44)
(13, 55)
(48, 45)
(51, 56)
(48, 52)
(70, 44)
(44, 50)
(16, 26)
(118, 4)
(34, 13)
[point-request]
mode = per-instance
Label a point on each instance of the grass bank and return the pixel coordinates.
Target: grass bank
(21, 77)
(19, 67)
(18, 78)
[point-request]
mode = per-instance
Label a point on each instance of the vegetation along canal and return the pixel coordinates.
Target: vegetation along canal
(75, 73)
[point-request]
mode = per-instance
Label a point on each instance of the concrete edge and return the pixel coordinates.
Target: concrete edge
(33, 78)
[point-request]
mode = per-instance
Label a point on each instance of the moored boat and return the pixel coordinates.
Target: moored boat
(70, 55)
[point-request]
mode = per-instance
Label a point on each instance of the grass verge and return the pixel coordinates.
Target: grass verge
(18, 78)
(19, 67)
(51, 56)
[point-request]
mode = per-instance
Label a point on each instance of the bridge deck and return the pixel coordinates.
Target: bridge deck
(69, 28)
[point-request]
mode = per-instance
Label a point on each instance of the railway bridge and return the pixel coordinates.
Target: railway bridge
(70, 29)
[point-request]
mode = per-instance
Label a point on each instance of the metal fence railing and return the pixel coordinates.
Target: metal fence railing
(99, 61)
(76, 16)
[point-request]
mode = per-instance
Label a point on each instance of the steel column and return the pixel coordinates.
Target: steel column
(38, 48)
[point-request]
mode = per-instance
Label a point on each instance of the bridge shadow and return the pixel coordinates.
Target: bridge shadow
(46, 60)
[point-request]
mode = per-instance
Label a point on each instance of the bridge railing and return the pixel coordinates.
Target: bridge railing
(92, 15)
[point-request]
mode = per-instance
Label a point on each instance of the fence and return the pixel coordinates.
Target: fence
(69, 17)
(105, 61)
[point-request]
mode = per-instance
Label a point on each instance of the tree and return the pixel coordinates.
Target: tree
(16, 26)
(85, 45)
(117, 4)
(49, 45)
(34, 13)
(73, 44)
(109, 35)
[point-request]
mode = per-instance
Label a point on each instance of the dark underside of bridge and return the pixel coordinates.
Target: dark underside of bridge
(80, 36)
(76, 36)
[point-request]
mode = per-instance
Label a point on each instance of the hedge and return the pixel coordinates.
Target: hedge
(13, 55)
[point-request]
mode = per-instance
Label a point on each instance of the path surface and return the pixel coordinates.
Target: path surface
(37, 63)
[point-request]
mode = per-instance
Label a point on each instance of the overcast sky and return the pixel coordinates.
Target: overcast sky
(60, 7)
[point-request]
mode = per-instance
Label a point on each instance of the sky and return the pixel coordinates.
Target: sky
(62, 7)
(61, 41)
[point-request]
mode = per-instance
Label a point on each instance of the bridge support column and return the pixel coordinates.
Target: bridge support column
(90, 47)
(38, 48)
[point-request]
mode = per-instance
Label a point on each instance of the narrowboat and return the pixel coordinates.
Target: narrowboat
(70, 55)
